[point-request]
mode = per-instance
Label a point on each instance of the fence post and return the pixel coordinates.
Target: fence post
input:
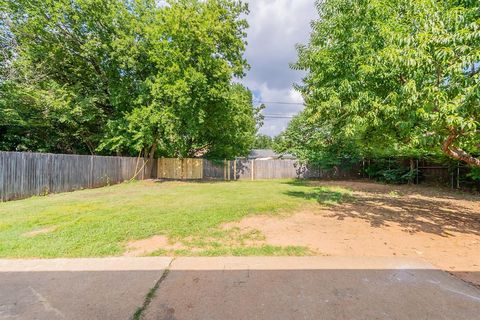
(369, 165)
(363, 167)
(228, 170)
(224, 170)
(458, 175)
(253, 169)
(417, 172)
(183, 169)
(91, 171)
(235, 169)
(452, 174)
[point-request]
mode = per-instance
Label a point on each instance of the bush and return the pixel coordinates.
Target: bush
(474, 174)
(390, 172)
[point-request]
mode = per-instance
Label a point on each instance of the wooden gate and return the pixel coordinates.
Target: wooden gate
(180, 169)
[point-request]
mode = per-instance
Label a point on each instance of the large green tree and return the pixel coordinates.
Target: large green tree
(125, 77)
(263, 141)
(315, 144)
(397, 77)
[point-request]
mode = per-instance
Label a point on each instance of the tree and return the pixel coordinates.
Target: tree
(398, 77)
(316, 145)
(67, 59)
(262, 141)
(232, 132)
(129, 77)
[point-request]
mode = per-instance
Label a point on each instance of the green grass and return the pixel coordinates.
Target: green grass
(99, 222)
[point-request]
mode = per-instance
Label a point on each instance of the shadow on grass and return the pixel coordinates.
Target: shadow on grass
(416, 209)
(299, 182)
(193, 181)
(323, 196)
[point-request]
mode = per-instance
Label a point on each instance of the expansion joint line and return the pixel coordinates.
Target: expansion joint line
(151, 294)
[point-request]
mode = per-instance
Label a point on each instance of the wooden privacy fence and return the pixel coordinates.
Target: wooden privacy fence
(180, 169)
(28, 174)
(243, 169)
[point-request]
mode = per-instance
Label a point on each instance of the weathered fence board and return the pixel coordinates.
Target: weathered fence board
(243, 169)
(180, 169)
(26, 174)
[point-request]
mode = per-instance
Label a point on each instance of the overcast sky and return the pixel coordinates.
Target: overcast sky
(275, 27)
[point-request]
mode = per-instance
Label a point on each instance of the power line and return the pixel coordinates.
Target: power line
(281, 102)
(277, 117)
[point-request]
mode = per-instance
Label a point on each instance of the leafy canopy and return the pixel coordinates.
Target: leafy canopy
(393, 77)
(125, 77)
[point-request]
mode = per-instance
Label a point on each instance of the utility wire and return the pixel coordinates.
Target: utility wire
(278, 117)
(281, 102)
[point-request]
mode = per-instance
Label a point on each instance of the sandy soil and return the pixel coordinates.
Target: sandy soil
(144, 247)
(438, 226)
(37, 232)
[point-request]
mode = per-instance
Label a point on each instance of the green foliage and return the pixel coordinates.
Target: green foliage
(232, 132)
(262, 141)
(121, 76)
(316, 145)
(390, 172)
(394, 77)
(474, 174)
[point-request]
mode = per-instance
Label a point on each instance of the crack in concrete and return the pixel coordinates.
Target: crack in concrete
(138, 315)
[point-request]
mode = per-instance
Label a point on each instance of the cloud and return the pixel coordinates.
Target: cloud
(276, 26)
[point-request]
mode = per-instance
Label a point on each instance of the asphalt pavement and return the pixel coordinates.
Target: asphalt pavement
(233, 288)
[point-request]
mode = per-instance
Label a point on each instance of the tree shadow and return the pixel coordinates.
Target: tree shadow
(418, 211)
(193, 181)
(322, 196)
(298, 182)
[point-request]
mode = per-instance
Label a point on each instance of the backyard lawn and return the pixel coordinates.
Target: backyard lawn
(270, 217)
(167, 217)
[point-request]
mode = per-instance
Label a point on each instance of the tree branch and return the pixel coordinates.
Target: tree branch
(456, 153)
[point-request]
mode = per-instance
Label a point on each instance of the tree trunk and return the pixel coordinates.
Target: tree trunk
(456, 153)
(411, 179)
(151, 158)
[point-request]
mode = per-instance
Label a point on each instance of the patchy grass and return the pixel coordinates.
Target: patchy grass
(100, 222)
(263, 250)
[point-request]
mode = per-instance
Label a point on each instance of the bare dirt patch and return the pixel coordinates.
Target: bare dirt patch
(37, 232)
(146, 246)
(438, 226)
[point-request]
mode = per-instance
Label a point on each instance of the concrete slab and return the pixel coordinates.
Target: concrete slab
(296, 263)
(86, 264)
(234, 288)
(311, 288)
(110, 288)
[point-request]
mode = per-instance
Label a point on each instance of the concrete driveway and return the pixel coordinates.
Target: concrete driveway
(233, 288)
(74, 289)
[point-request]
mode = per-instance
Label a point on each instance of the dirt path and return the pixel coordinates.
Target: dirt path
(438, 226)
